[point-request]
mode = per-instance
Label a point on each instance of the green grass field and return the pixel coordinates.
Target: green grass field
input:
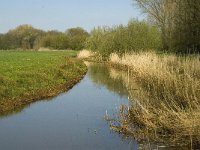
(29, 76)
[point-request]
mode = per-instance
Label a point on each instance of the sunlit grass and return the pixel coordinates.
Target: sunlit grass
(29, 76)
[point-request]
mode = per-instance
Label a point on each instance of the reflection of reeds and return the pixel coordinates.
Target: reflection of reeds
(99, 73)
(167, 90)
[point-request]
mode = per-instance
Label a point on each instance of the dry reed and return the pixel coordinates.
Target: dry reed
(85, 54)
(165, 90)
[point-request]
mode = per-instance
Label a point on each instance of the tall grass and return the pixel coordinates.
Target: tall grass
(85, 54)
(90, 55)
(165, 90)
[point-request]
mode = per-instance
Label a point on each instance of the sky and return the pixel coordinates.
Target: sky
(64, 14)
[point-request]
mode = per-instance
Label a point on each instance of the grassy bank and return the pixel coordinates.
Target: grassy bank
(29, 76)
(165, 90)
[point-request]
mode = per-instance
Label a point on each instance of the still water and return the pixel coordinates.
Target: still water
(71, 121)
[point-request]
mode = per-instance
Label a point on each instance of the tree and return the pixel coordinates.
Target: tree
(178, 21)
(55, 40)
(159, 14)
(186, 33)
(23, 37)
(77, 37)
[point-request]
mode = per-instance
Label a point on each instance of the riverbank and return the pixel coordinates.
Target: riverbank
(167, 110)
(165, 93)
(26, 77)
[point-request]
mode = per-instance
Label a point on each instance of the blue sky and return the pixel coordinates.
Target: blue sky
(64, 14)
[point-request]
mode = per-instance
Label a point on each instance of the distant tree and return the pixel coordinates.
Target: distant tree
(78, 31)
(77, 37)
(24, 37)
(55, 40)
(1, 41)
(95, 39)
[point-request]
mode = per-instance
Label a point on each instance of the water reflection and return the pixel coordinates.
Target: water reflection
(100, 75)
(20, 109)
(13, 112)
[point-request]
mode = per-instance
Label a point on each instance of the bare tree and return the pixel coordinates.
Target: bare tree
(160, 11)
(179, 22)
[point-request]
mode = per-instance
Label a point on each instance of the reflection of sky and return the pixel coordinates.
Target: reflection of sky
(63, 14)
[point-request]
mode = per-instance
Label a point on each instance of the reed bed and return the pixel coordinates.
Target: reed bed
(165, 91)
(85, 54)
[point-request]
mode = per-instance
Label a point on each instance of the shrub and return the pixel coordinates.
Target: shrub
(136, 36)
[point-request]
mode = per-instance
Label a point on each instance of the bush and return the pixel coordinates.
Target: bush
(136, 36)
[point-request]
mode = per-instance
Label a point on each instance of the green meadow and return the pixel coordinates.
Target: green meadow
(29, 76)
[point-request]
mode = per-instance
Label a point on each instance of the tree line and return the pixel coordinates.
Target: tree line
(172, 26)
(27, 37)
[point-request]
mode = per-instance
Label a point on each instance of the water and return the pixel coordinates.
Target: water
(71, 121)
